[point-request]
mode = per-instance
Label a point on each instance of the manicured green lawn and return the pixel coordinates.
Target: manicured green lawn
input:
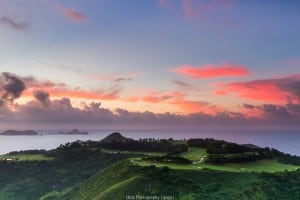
(263, 165)
(194, 154)
(133, 152)
(26, 157)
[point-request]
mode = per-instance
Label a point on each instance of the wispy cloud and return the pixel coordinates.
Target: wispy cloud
(116, 78)
(58, 90)
(202, 11)
(14, 24)
(211, 71)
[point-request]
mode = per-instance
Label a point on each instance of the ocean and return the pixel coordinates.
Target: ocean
(285, 141)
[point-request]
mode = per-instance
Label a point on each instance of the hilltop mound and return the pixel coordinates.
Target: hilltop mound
(116, 137)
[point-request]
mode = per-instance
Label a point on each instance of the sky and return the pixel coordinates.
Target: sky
(149, 63)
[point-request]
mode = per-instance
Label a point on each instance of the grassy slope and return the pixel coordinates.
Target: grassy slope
(125, 178)
(31, 179)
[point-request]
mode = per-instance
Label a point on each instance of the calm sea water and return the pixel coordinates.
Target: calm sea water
(286, 141)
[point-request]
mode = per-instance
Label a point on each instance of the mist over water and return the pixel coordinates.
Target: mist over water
(285, 141)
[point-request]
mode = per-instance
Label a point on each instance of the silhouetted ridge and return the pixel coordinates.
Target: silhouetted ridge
(116, 137)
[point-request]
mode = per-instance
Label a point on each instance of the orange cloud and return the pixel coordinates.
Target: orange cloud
(178, 101)
(155, 97)
(211, 71)
(188, 106)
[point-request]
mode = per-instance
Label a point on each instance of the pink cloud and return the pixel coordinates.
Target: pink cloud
(71, 14)
(276, 90)
(164, 2)
(211, 71)
(188, 9)
(200, 10)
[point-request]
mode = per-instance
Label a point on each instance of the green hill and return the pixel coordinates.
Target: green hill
(124, 178)
(149, 169)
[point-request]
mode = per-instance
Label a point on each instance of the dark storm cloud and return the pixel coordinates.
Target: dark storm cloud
(249, 106)
(278, 113)
(292, 86)
(11, 87)
(42, 97)
(32, 82)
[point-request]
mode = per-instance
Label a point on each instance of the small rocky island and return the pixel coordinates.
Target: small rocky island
(17, 132)
(72, 132)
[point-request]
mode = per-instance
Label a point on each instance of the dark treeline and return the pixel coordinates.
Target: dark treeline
(232, 158)
(35, 151)
(213, 146)
(81, 148)
(151, 145)
(168, 159)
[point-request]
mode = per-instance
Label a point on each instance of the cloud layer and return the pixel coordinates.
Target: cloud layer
(42, 111)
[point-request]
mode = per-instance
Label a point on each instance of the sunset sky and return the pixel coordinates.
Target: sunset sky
(150, 62)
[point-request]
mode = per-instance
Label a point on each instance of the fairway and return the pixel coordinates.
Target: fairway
(26, 157)
(113, 151)
(194, 154)
(258, 166)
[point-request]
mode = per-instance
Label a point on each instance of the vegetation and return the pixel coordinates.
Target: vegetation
(148, 145)
(32, 176)
(123, 179)
(119, 166)
(168, 159)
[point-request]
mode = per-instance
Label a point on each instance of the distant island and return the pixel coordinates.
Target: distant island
(16, 132)
(72, 132)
